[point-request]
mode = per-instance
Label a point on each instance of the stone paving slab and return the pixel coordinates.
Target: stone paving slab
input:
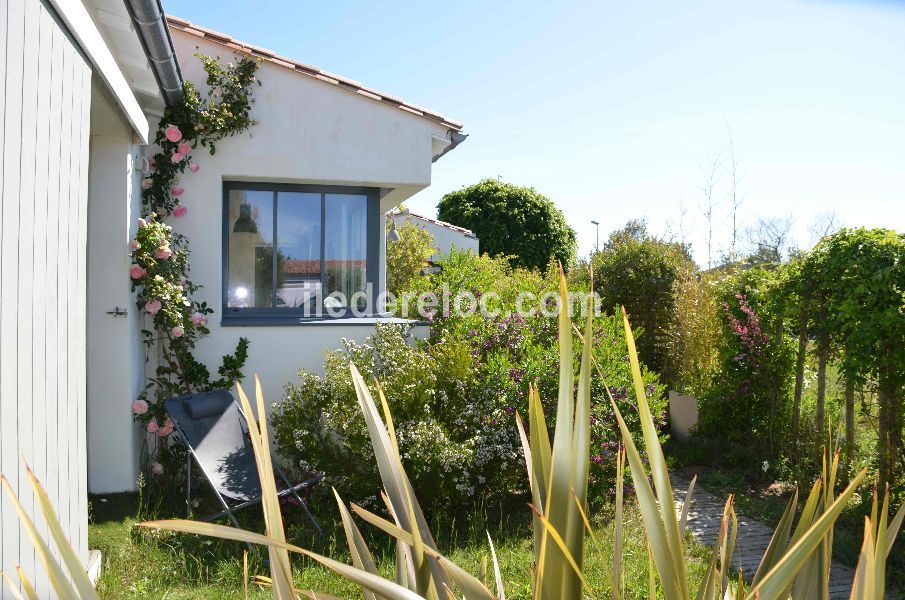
(703, 522)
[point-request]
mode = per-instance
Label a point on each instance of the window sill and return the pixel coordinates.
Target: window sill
(294, 321)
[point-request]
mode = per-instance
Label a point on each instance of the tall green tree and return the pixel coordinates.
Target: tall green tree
(847, 299)
(513, 221)
(866, 268)
(639, 271)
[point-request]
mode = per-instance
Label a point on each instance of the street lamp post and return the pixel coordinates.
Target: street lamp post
(597, 226)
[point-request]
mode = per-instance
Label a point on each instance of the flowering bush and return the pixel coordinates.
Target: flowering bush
(519, 347)
(750, 386)
(159, 272)
(318, 422)
(454, 395)
(751, 338)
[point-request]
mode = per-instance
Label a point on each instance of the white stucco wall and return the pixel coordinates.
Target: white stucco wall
(116, 356)
(307, 131)
(445, 238)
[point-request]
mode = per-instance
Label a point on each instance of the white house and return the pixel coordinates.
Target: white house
(446, 235)
(325, 161)
(79, 90)
(85, 82)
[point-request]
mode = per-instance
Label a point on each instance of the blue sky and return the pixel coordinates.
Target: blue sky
(615, 110)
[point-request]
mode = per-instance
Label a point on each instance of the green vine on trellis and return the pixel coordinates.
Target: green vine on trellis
(160, 257)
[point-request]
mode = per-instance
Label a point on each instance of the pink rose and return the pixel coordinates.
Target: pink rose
(194, 167)
(180, 211)
(153, 426)
(163, 253)
(142, 223)
(177, 332)
(177, 191)
(156, 468)
(164, 431)
(184, 148)
(198, 319)
(176, 157)
(147, 182)
(152, 163)
(153, 307)
(172, 133)
(134, 245)
(139, 407)
(137, 272)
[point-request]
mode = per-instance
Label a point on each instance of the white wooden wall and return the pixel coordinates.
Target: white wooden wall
(44, 121)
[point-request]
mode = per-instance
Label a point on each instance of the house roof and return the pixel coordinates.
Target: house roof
(439, 223)
(341, 82)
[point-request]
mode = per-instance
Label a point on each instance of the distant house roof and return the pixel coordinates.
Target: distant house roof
(341, 82)
(461, 230)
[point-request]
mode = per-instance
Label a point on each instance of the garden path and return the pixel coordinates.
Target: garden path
(704, 519)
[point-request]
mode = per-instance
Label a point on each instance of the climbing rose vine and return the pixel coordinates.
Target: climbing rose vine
(159, 272)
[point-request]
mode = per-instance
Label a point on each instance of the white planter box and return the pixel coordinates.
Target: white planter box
(683, 414)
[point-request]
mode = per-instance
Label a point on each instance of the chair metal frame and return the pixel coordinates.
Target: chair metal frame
(230, 510)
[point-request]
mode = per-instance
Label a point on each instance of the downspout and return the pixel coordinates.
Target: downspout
(151, 24)
(455, 138)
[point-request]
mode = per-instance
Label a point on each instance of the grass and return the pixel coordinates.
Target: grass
(140, 564)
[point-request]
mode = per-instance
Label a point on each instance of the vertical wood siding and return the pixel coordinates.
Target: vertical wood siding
(44, 134)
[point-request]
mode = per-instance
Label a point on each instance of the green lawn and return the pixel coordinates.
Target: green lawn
(138, 564)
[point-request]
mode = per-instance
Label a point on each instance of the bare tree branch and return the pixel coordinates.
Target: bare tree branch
(770, 239)
(711, 178)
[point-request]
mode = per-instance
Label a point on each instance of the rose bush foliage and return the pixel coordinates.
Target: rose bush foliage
(159, 273)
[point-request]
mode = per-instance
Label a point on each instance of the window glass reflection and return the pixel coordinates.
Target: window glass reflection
(299, 244)
(250, 277)
(345, 251)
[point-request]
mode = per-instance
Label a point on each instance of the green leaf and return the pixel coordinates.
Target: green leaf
(500, 590)
(782, 574)
(75, 567)
(779, 541)
(30, 593)
(361, 556)
(658, 468)
(58, 580)
(396, 483)
(686, 505)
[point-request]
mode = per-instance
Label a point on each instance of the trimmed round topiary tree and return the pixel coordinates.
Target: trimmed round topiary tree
(514, 221)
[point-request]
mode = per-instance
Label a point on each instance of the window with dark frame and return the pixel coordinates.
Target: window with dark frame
(296, 251)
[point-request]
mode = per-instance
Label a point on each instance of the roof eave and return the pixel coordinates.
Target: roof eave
(324, 76)
(151, 24)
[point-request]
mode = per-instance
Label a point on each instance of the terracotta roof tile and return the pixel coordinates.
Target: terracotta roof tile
(337, 80)
(313, 267)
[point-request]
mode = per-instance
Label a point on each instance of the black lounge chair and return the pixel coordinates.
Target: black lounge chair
(215, 431)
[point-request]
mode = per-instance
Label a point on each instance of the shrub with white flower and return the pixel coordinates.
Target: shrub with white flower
(454, 397)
